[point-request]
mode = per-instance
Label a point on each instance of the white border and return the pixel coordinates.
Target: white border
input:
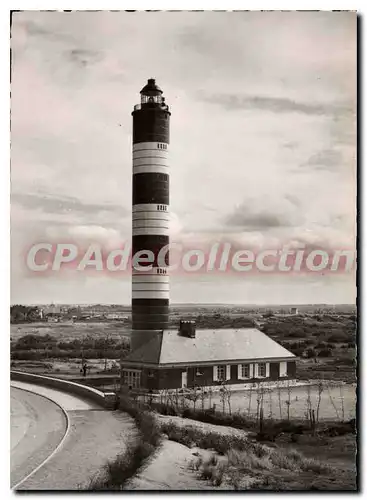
(4, 180)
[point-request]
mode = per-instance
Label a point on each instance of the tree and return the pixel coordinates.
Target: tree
(320, 389)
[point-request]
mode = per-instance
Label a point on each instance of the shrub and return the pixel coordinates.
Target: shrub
(119, 471)
(321, 345)
(338, 337)
(310, 353)
(206, 472)
(116, 473)
(235, 420)
(324, 353)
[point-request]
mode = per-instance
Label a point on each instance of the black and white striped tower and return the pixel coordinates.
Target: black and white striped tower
(150, 225)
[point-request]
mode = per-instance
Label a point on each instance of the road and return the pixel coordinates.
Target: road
(60, 441)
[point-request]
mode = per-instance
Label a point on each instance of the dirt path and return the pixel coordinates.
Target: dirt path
(170, 470)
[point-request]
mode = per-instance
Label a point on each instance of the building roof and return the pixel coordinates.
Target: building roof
(209, 346)
(147, 353)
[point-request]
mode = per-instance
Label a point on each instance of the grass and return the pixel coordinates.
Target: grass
(244, 464)
(117, 473)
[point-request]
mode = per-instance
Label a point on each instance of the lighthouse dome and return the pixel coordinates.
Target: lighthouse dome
(151, 88)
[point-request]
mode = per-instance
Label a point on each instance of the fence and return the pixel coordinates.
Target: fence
(325, 400)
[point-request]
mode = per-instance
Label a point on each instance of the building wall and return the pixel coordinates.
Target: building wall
(171, 378)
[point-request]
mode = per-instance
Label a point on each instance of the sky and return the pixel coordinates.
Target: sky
(263, 143)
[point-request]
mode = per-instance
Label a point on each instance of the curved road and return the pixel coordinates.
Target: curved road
(60, 441)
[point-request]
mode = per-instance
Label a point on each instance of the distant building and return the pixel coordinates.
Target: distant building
(51, 309)
(52, 319)
(293, 310)
(116, 315)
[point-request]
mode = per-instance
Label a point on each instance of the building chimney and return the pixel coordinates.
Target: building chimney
(187, 329)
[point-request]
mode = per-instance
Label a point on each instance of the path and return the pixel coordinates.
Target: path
(93, 436)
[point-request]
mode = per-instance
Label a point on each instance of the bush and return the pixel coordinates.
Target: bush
(190, 436)
(324, 353)
(117, 472)
(344, 360)
(321, 345)
(235, 420)
(338, 337)
(310, 353)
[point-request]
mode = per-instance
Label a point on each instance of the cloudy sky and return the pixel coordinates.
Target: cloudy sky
(262, 142)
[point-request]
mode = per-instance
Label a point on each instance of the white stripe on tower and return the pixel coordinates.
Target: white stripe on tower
(150, 218)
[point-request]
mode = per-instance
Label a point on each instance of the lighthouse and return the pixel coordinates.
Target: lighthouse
(161, 358)
(150, 215)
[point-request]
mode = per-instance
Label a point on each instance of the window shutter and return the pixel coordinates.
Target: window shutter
(228, 372)
(267, 372)
(215, 374)
(256, 370)
(239, 374)
(251, 370)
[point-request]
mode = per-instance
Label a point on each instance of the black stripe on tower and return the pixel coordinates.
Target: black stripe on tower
(147, 303)
(151, 187)
(150, 314)
(150, 124)
(152, 242)
(150, 324)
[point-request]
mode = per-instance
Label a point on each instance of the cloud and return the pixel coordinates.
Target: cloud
(279, 105)
(327, 159)
(83, 57)
(60, 205)
(260, 214)
(291, 76)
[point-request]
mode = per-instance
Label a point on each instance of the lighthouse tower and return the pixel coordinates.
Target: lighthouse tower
(150, 212)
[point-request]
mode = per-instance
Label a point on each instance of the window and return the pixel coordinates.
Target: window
(132, 378)
(245, 371)
(162, 207)
(163, 177)
(261, 370)
(283, 369)
(221, 373)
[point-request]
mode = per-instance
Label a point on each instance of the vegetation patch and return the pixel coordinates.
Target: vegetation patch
(118, 472)
(243, 464)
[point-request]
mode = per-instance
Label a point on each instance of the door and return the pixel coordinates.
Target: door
(184, 379)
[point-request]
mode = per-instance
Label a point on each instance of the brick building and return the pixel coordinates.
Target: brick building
(186, 358)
